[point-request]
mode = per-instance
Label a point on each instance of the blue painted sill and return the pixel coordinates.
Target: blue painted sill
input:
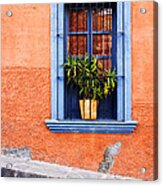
(84, 126)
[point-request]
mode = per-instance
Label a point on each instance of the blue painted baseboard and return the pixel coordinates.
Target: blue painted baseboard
(83, 126)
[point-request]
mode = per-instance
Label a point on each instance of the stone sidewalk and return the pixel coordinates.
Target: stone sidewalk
(21, 167)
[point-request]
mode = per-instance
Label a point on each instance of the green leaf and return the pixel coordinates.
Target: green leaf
(89, 76)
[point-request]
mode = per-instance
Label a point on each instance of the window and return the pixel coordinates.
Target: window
(105, 33)
(90, 29)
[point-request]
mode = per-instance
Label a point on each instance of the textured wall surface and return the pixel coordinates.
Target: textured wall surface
(144, 87)
(26, 95)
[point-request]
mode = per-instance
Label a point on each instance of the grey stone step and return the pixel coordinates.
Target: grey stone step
(22, 167)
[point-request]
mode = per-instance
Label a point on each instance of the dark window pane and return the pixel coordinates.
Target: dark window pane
(78, 20)
(77, 45)
(102, 19)
(102, 45)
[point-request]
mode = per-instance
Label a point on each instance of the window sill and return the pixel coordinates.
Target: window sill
(84, 126)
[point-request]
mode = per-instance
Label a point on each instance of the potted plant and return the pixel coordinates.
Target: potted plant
(93, 82)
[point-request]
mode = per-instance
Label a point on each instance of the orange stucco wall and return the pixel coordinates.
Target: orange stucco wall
(26, 95)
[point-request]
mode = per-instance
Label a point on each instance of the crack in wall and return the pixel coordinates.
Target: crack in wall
(110, 152)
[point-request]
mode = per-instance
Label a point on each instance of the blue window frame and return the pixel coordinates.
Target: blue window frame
(123, 122)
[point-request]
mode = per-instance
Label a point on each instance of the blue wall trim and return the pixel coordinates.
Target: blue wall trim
(54, 61)
(124, 61)
(112, 127)
(127, 59)
(60, 61)
(57, 58)
(120, 85)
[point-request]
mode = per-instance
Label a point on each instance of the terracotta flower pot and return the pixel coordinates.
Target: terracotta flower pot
(88, 109)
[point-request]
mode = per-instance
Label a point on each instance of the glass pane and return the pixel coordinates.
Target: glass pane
(77, 45)
(105, 64)
(102, 45)
(78, 20)
(102, 19)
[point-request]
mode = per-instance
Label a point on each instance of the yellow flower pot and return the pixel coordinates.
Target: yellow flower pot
(88, 109)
